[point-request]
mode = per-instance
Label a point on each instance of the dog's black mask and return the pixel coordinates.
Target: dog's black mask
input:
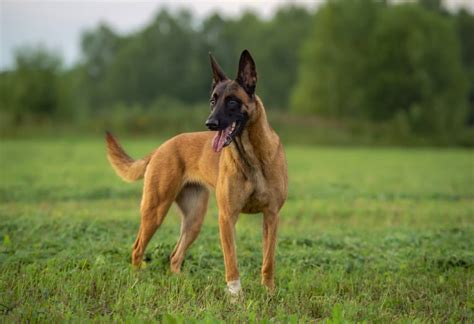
(230, 100)
(228, 119)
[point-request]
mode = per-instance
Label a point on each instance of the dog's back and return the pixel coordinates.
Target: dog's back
(182, 156)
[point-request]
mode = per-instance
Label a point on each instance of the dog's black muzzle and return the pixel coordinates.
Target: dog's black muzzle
(212, 123)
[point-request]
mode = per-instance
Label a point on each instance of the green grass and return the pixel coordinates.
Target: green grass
(367, 234)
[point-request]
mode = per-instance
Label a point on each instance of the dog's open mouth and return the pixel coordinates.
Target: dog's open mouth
(225, 136)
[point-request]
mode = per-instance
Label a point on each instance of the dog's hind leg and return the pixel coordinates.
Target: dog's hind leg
(151, 219)
(159, 192)
(192, 202)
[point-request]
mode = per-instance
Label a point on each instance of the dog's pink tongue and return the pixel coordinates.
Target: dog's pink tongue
(218, 141)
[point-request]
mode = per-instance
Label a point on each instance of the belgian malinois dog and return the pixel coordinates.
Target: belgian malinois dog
(242, 158)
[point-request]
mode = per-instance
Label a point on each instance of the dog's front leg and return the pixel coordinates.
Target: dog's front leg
(227, 234)
(270, 227)
(232, 191)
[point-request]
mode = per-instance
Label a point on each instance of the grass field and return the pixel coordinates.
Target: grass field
(367, 234)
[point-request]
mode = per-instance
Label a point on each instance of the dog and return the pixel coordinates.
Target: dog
(241, 157)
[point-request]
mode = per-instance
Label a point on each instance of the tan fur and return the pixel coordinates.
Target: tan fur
(127, 168)
(185, 168)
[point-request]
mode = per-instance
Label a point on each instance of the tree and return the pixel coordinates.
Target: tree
(332, 71)
(465, 29)
(433, 5)
(414, 70)
(32, 89)
(367, 60)
(168, 57)
(160, 61)
(99, 49)
(278, 56)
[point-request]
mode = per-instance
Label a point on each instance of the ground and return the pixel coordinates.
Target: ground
(377, 234)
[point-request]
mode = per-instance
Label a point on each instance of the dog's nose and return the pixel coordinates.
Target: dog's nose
(212, 123)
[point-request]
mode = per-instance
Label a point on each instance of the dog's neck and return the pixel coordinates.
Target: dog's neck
(258, 143)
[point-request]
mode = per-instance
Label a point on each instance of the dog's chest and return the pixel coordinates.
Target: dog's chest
(255, 203)
(259, 196)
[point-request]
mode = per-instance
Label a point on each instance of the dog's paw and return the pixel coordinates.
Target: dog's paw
(234, 289)
(175, 270)
(269, 285)
(142, 265)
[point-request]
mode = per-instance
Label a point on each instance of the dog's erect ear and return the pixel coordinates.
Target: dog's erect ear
(217, 74)
(247, 74)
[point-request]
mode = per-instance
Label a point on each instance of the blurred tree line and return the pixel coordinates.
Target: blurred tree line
(409, 65)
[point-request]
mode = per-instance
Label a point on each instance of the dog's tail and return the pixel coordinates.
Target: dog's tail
(127, 168)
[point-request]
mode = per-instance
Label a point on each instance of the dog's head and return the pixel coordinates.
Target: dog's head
(232, 101)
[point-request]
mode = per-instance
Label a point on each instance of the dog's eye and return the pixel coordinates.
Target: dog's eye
(212, 102)
(232, 104)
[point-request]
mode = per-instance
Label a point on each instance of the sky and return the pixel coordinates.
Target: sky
(58, 24)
